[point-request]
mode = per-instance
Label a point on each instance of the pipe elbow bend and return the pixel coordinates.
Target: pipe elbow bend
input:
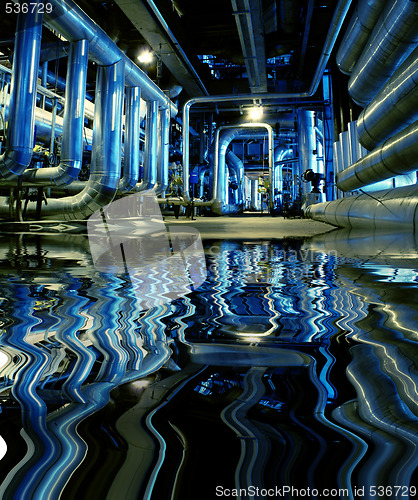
(13, 162)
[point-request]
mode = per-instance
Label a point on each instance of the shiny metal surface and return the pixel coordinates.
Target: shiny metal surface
(358, 32)
(131, 147)
(397, 155)
(393, 39)
(105, 169)
(393, 108)
(388, 210)
(72, 23)
(163, 151)
(73, 124)
(149, 177)
(20, 134)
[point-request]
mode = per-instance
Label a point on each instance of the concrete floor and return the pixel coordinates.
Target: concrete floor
(252, 227)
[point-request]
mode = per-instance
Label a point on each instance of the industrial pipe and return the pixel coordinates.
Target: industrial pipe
(149, 177)
(398, 155)
(163, 151)
(74, 24)
(393, 108)
(106, 153)
(358, 33)
(20, 134)
(237, 165)
(73, 127)
(132, 133)
(337, 20)
(393, 39)
(385, 210)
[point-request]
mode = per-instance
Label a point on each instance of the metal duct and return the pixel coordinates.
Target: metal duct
(106, 153)
(219, 202)
(237, 166)
(163, 151)
(20, 134)
(306, 144)
(74, 24)
(337, 20)
(149, 177)
(72, 138)
(393, 108)
(397, 155)
(389, 209)
(132, 133)
(358, 33)
(393, 39)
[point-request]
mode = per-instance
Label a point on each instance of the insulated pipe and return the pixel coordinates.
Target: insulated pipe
(20, 135)
(393, 39)
(389, 209)
(163, 151)
(106, 153)
(335, 26)
(218, 202)
(132, 133)
(72, 135)
(361, 25)
(237, 166)
(306, 145)
(398, 155)
(74, 24)
(393, 108)
(151, 147)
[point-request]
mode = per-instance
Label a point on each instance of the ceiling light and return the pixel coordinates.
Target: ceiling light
(145, 57)
(256, 113)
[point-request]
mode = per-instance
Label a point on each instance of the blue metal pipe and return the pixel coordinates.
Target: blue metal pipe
(20, 135)
(132, 131)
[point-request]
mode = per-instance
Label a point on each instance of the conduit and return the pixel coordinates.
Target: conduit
(358, 32)
(385, 210)
(106, 153)
(74, 24)
(237, 165)
(20, 134)
(398, 155)
(335, 26)
(393, 108)
(72, 138)
(132, 133)
(393, 39)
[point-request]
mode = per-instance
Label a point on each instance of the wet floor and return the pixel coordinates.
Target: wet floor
(290, 372)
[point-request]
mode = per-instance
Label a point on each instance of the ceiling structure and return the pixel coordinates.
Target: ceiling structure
(206, 48)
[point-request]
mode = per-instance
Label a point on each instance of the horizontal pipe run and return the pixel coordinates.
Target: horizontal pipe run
(388, 210)
(393, 108)
(398, 155)
(74, 24)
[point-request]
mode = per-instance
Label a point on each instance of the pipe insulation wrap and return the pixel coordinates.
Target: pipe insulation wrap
(105, 168)
(394, 37)
(393, 108)
(20, 135)
(398, 155)
(74, 24)
(391, 209)
(73, 126)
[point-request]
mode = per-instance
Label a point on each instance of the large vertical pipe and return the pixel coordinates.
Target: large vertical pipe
(306, 144)
(73, 125)
(20, 134)
(132, 132)
(163, 151)
(151, 148)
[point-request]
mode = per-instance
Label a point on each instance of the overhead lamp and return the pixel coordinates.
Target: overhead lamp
(145, 56)
(256, 113)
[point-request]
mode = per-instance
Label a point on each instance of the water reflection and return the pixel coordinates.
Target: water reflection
(293, 365)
